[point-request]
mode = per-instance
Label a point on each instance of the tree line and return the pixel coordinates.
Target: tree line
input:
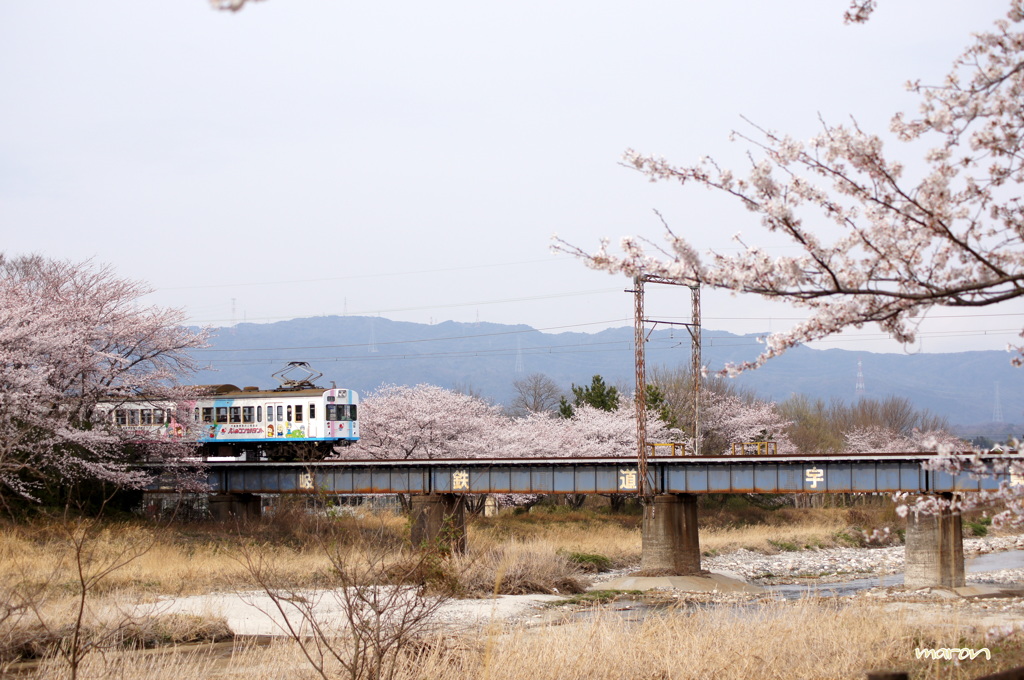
(597, 419)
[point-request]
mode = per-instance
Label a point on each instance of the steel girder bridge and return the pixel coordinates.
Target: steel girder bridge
(849, 473)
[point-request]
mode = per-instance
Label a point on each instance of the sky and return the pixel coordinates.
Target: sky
(413, 160)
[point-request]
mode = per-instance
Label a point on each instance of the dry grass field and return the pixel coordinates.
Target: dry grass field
(57, 573)
(776, 641)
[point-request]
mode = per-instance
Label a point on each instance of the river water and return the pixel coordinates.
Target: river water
(1011, 559)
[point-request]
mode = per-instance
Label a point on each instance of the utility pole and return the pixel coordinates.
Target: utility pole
(639, 339)
(695, 361)
(640, 336)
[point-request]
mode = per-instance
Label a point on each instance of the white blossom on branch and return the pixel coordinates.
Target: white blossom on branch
(229, 5)
(75, 343)
(876, 245)
(425, 422)
(877, 439)
(729, 419)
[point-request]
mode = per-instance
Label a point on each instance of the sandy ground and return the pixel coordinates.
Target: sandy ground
(254, 613)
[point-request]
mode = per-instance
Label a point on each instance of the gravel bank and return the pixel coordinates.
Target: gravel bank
(840, 564)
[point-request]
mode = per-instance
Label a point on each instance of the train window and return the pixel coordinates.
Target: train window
(147, 416)
(247, 413)
(195, 415)
(289, 413)
(207, 414)
(236, 414)
(222, 414)
(158, 416)
(312, 411)
(342, 412)
(280, 414)
(121, 417)
(133, 416)
(298, 413)
(259, 414)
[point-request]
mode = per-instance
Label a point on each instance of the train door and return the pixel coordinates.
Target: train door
(275, 419)
(312, 421)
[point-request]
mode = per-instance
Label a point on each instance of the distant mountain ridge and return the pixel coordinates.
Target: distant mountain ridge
(365, 352)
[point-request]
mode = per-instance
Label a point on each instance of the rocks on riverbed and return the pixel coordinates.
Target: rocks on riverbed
(827, 563)
(839, 564)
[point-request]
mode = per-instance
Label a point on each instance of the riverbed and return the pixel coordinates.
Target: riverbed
(829, 572)
(831, 565)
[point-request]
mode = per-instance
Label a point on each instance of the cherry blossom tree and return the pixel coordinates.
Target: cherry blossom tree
(425, 422)
(730, 419)
(878, 244)
(74, 343)
(593, 432)
(876, 439)
(590, 432)
(537, 435)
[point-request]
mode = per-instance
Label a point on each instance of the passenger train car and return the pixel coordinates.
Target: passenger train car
(297, 421)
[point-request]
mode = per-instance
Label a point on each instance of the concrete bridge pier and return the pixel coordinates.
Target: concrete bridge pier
(934, 549)
(669, 534)
(439, 522)
(235, 506)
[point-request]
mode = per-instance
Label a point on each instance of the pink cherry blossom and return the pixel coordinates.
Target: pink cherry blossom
(876, 246)
(74, 343)
(425, 422)
(728, 419)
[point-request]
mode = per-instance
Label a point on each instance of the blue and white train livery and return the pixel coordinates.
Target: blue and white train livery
(297, 421)
(276, 424)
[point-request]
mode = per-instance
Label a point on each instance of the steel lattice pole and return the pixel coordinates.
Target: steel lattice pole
(641, 387)
(697, 368)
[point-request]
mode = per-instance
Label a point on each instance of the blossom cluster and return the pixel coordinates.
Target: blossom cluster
(876, 246)
(428, 422)
(73, 343)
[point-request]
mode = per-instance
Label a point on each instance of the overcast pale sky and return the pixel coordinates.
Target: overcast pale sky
(412, 160)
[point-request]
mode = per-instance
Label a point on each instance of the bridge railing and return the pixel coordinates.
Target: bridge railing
(755, 449)
(665, 449)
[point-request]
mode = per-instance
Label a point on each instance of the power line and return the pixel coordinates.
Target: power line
(420, 340)
(378, 312)
(375, 275)
(463, 354)
(710, 340)
(623, 345)
(804, 318)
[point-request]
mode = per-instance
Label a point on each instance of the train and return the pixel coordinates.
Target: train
(295, 421)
